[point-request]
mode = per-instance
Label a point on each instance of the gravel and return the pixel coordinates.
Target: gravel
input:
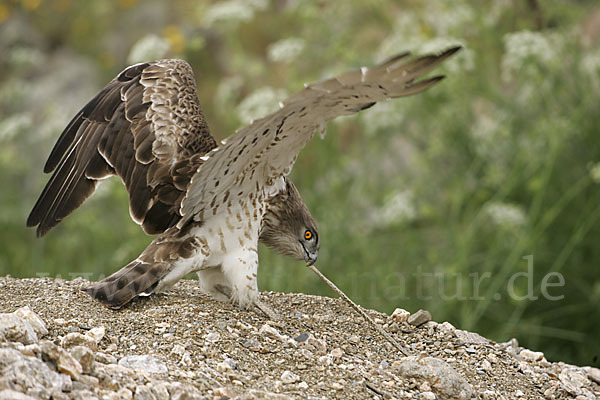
(56, 342)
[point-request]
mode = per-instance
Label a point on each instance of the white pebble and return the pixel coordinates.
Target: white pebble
(289, 377)
(531, 355)
(337, 352)
(400, 315)
(427, 396)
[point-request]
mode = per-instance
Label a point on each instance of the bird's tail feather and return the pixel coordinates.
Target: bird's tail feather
(136, 278)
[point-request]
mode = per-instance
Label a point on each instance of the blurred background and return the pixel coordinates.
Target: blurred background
(478, 200)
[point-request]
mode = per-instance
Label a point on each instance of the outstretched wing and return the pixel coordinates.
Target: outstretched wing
(145, 126)
(267, 148)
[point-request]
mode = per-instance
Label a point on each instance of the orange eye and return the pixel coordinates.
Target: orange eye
(308, 235)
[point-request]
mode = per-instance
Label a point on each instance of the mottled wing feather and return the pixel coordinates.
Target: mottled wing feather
(268, 147)
(138, 127)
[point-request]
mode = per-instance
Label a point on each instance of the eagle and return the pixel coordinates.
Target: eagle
(209, 203)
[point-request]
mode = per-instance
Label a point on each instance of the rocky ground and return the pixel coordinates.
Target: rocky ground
(56, 342)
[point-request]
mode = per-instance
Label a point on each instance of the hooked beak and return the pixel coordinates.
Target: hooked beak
(310, 257)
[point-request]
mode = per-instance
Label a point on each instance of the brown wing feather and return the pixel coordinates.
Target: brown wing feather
(267, 148)
(137, 127)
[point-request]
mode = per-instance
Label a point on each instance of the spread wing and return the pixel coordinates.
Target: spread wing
(267, 148)
(145, 126)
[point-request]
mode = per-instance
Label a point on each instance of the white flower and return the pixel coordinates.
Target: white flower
(496, 10)
(505, 215)
(448, 15)
(286, 50)
(387, 114)
(590, 65)
(260, 103)
(150, 47)
(594, 170)
(25, 57)
(233, 10)
(15, 124)
(525, 46)
(405, 36)
(229, 89)
(399, 207)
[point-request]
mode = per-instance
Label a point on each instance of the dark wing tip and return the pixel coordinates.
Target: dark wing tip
(450, 51)
(394, 59)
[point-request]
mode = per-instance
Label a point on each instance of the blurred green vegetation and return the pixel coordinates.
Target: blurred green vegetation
(427, 202)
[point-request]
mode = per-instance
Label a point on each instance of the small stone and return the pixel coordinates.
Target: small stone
(338, 385)
(212, 337)
(65, 362)
(223, 367)
(97, 334)
(337, 353)
(303, 385)
(400, 315)
(492, 357)
(419, 318)
(319, 344)
(268, 330)
(519, 393)
(593, 373)
(8, 394)
(488, 395)
(444, 381)
(89, 381)
(354, 339)
(446, 328)
(301, 337)
(124, 394)
(36, 322)
(105, 358)
(531, 355)
(325, 360)
(289, 377)
(223, 392)
(143, 392)
(178, 349)
(427, 396)
(160, 391)
(573, 380)
(60, 322)
(85, 357)
(470, 337)
(77, 339)
(486, 366)
(15, 329)
(146, 363)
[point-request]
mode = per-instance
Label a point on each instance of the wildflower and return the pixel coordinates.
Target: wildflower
(525, 46)
(259, 103)
(285, 50)
(233, 10)
(399, 207)
(150, 47)
(505, 215)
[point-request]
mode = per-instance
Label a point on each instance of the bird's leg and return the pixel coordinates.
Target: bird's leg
(267, 310)
(240, 273)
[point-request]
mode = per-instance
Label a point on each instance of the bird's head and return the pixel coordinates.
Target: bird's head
(288, 227)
